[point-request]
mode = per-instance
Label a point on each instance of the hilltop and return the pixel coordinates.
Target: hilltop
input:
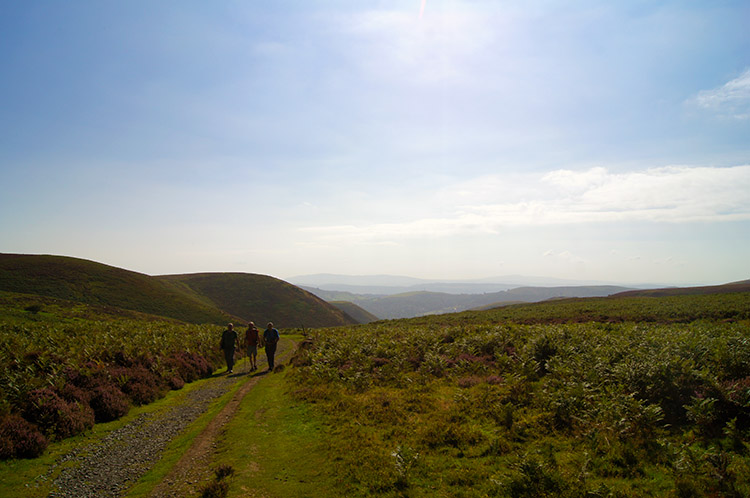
(199, 298)
(94, 283)
(260, 298)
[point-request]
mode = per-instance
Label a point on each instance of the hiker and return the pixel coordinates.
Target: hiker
(251, 343)
(228, 344)
(271, 338)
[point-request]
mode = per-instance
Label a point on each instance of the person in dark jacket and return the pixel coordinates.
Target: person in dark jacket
(271, 338)
(228, 345)
(251, 343)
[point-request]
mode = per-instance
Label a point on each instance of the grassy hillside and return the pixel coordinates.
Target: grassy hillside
(261, 299)
(743, 286)
(617, 397)
(88, 282)
(24, 308)
(198, 298)
(359, 314)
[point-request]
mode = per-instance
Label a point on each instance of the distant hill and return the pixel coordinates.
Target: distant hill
(412, 304)
(199, 298)
(358, 313)
(261, 299)
(395, 284)
(93, 283)
(742, 286)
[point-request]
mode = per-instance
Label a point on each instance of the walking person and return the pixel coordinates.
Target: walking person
(251, 343)
(229, 344)
(271, 338)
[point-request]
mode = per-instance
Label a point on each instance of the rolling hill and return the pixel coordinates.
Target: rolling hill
(260, 298)
(358, 313)
(742, 286)
(200, 298)
(94, 283)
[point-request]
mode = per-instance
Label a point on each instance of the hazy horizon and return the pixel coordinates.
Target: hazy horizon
(447, 140)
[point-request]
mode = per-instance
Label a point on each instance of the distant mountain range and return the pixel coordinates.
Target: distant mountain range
(419, 303)
(389, 297)
(194, 298)
(383, 285)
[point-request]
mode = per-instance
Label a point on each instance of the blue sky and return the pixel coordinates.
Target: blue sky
(588, 140)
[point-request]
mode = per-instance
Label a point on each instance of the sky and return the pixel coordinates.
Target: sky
(585, 140)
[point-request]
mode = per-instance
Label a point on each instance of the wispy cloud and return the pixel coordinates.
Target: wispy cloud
(731, 99)
(670, 194)
(676, 194)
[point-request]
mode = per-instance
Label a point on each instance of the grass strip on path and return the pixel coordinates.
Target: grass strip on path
(184, 465)
(275, 445)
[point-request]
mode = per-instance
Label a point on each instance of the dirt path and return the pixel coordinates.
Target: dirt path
(193, 467)
(187, 476)
(108, 467)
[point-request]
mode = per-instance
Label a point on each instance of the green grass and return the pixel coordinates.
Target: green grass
(276, 445)
(291, 430)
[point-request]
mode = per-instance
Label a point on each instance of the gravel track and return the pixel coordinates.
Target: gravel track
(110, 466)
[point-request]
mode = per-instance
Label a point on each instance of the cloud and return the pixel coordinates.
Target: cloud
(670, 194)
(491, 204)
(731, 99)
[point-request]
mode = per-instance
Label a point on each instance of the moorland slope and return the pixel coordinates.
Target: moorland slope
(358, 313)
(88, 282)
(260, 298)
(741, 286)
(198, 298)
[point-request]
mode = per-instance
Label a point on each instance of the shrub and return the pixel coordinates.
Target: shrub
(542, 351)
(55, 415)
(189, 366)
(109, 403)
(534, 479)
(20, 438)
(175, 382)
(737, 392)
(494, 380)
(215, 489)
(74, 394)
(466, 382)
(140, 384)
(223, 471)
(90, 376)
(450, 433)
